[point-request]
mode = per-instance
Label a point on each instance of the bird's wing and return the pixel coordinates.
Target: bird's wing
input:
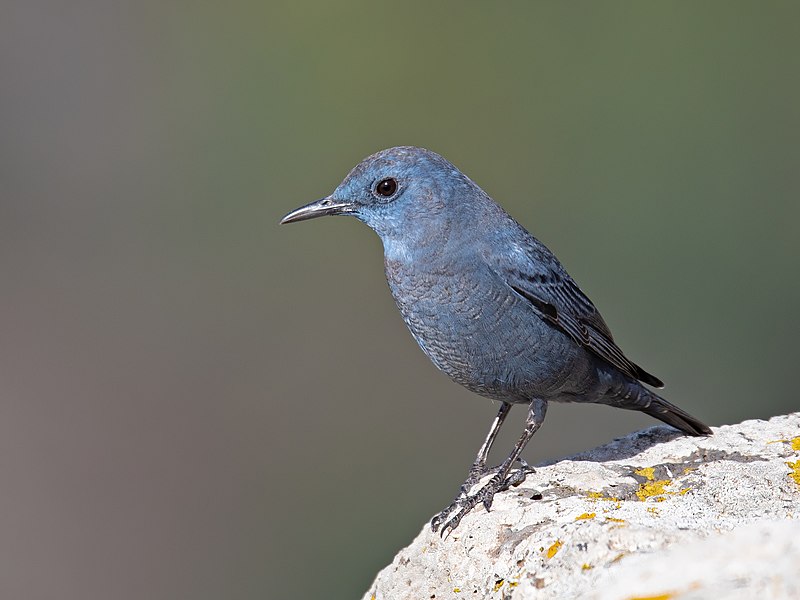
(535, 274)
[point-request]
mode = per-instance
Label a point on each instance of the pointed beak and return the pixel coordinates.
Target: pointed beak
(320, 208)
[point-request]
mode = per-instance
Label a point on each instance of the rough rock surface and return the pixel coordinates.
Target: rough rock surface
(654, 515)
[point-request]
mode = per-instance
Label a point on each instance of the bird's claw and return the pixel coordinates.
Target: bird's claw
(465, 502)
(526, 469)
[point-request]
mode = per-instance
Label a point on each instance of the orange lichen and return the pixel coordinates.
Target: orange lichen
(585, 516)
(666, 596)
(553, 550)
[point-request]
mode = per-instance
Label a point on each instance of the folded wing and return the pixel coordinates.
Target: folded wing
(537, 276)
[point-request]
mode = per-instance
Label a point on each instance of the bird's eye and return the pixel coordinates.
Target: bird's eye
(386, 187)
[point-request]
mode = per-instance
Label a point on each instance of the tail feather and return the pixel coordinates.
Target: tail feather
(634, 396)
(678, 418)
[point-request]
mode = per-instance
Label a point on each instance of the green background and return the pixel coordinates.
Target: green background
(198, 403)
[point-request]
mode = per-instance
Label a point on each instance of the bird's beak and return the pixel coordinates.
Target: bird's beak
(320, 208)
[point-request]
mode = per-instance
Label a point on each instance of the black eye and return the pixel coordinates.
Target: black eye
(386, 187)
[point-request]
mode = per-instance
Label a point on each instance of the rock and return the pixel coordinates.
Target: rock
(653, 515)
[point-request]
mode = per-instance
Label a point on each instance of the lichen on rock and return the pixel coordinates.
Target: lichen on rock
(654, 514)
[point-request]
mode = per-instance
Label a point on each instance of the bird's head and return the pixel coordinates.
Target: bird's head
(403, 193)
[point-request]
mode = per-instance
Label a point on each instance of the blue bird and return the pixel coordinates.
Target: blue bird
(489, 304)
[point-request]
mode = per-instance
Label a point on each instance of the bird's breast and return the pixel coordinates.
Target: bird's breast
(470, 324)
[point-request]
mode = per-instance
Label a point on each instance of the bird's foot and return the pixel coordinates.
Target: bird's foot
(465, 502)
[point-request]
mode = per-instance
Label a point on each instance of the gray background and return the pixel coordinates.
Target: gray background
(198, 403)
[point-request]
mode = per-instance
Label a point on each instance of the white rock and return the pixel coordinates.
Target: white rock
(653, 515)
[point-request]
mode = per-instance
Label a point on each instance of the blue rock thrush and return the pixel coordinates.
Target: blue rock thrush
(489, 304)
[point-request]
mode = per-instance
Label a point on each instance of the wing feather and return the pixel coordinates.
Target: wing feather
(555, 296)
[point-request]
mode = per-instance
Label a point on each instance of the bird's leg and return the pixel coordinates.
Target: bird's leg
(478, 468)
(501, 480)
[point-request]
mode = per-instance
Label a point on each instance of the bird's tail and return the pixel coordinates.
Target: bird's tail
(632, 395)
(677, 417)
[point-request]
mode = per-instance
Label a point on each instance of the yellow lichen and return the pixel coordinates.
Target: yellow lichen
(586, 567)
(457, 590)
(601, 496)
(666, 596)
(652, 509)
(513, 584)
(794, 471)
(794, 443)
(498, 584)
(652, 488)
(618, 557)
(585, 516)
(553, 550)
(646, 472)
(613, 520)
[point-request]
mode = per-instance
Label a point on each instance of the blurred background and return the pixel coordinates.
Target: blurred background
(198, 403)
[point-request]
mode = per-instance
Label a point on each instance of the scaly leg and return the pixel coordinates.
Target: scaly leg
(478, 468)
(501, 480)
